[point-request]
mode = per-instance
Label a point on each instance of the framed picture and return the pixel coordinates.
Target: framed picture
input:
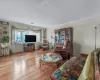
(5, 32)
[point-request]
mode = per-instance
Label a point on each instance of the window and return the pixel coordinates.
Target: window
(20, 36)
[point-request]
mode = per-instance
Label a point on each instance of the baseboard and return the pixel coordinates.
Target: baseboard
(84, 54)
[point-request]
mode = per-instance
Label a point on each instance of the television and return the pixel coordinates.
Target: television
(30, 38)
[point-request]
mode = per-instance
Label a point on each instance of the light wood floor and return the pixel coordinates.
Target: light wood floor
(24, 66)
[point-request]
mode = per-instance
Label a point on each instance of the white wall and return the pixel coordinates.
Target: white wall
(83, 36)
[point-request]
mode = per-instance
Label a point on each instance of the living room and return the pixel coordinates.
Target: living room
(49, 40)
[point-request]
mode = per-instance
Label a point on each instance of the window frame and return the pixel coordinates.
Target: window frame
(26, 34)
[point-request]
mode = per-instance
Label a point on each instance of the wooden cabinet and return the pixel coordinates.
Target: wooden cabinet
(62, 35)
(29, 47)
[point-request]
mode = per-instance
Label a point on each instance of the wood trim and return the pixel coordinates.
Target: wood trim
(84, 54)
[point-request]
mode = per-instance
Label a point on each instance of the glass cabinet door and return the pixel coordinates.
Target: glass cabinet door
(68, 34)
(60, 36)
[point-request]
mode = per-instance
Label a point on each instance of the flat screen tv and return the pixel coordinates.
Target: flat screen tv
(30, 38)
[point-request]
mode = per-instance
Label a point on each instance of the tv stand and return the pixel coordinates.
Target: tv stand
(29, 47)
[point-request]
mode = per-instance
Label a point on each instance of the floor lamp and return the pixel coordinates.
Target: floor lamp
(95, 37)
(98, 55)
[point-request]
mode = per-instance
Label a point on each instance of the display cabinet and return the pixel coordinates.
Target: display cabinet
(64, 42)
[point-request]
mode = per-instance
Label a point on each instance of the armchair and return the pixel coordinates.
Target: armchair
(63, 49)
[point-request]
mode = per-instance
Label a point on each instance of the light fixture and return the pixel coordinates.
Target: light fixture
(32, 23)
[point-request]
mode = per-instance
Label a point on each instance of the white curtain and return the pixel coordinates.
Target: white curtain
(28, 31)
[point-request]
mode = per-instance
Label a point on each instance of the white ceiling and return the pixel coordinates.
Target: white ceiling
(47, 13)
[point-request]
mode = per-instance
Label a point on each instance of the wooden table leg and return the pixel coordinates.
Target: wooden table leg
(40, 64)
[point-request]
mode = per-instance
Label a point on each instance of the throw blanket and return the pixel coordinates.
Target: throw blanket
(87, 72)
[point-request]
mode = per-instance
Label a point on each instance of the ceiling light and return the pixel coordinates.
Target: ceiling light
(32, 23)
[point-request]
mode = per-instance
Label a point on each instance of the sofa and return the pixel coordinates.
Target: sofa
(78, 68)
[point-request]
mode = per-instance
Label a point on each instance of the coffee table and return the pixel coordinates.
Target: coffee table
(50, 59)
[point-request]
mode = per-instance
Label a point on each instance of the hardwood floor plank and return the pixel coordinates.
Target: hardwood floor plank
(24, 66)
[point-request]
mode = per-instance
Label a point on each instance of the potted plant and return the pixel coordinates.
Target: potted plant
(4, 41)
(51, 46)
